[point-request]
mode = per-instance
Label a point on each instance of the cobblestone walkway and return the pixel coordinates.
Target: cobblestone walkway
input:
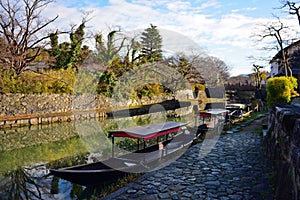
(236, 168)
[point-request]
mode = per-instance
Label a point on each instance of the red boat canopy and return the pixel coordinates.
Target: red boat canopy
(149, 131)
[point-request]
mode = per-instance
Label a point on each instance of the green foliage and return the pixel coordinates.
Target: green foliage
(60, 81)
(107, 81)
(76, 42)
(281, 89)
(86, 82)
(54, 43)
(107, 52)
(150, 90)
(67, 54)
(51, 81)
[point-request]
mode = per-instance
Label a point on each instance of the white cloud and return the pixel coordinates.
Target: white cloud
(178, 6)
(221, 35)
(250, 9)
(209, 4)
(243, 10)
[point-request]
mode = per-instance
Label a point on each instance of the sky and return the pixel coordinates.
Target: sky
(220, 28)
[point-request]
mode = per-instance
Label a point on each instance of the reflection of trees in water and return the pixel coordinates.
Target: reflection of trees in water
(54, 185)
(20, 184)
(33, 183)
(75, 190)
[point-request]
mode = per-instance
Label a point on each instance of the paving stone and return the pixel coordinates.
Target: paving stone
(163, 188)
(212, 183)
(140, 193)
(187, 194)
(152, 191)
(131, 191)
(147, 197)
(164, 196)
(175, 197)
(177, 187)
(235, 197)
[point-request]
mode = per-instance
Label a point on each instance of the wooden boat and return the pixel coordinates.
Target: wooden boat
(212, 118)
(238, 112)
(110, 170)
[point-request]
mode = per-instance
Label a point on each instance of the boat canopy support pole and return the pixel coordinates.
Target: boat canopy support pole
(113, 146)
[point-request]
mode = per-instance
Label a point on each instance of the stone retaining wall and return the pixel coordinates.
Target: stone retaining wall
(30, 109)
(283, 147)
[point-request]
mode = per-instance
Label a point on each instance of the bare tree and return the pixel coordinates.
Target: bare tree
(21, 26)
(213, 70)
(279, 31)
(292, 7)
(221, 67)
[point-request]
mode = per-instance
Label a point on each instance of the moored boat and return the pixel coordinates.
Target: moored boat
(140, 161)
(212, 118)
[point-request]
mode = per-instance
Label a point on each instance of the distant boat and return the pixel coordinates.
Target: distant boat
(212, 118)
(114, 168)
(238, 111)
(236, 106)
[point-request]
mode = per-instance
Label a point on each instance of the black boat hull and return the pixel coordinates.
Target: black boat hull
(90, 177)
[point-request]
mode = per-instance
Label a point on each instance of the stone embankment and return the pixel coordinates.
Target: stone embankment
(31, 109)
(283, 148)
(236, 168)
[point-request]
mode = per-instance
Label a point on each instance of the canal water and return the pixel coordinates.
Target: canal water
(27, 153)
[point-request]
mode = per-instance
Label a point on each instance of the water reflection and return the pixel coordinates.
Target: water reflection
(23, 183)
(30, 155)
(27, 154)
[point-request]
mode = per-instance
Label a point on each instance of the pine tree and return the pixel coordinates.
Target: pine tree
(151, 42)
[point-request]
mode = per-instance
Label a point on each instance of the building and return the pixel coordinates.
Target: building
(293, 57)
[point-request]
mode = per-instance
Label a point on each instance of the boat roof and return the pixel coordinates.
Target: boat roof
(236, 105)
(148, 131)
(213, 112)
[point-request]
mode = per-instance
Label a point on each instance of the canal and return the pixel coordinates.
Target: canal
(27, 153)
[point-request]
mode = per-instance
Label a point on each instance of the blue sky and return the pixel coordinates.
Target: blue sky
(223, 28)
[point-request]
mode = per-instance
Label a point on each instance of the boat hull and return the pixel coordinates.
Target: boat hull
(90, 177)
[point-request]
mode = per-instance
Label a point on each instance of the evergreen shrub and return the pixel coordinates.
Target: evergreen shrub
(281, 89)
